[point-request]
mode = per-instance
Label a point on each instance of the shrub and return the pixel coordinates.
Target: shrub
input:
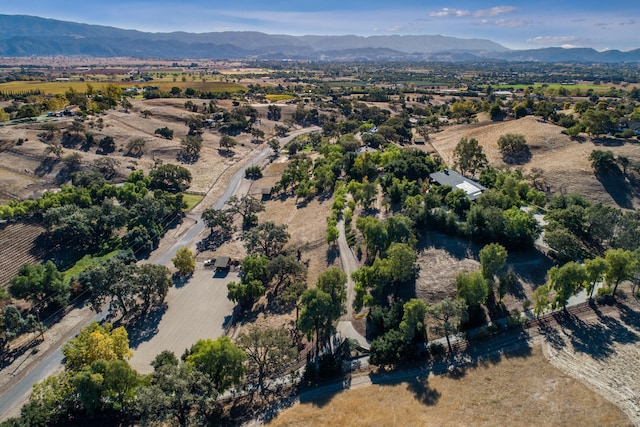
(514, 148)
(253, 172)
(164, 132)
(437, 350)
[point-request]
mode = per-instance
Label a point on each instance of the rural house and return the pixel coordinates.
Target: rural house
(455, 180)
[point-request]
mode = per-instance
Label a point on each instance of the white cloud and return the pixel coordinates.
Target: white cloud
(495, 11)
(512, 23)
(561, 41)
(457, 13)
(445, 11)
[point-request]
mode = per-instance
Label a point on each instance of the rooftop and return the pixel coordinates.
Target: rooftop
(455, 180)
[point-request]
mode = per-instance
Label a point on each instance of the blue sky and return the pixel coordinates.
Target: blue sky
(612, 24)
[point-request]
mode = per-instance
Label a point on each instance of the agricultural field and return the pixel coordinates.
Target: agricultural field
(59, 88)
(555, 88)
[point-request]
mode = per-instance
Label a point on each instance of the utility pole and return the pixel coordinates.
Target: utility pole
(40, 323)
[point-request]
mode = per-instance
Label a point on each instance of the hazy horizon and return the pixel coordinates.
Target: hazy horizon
(561, 23)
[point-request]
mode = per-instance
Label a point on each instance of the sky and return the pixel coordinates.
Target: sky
(602, 25)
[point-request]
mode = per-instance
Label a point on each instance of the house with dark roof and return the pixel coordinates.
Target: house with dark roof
(454, 180)
(635, 127)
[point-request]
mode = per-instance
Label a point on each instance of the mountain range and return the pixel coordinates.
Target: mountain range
(33, 36)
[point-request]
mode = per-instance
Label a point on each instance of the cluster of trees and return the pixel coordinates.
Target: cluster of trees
(495, 216)
(13, 322)
(99, 382)
(127, 287)
(615, 267)
(399, 329)
(41, 284)
(96, 217)
(579, 229)
(268, 268)
(91, 101)
(221, 220)
(239, 119)
(86, 217)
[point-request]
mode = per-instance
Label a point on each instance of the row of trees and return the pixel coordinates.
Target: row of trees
(617, 266)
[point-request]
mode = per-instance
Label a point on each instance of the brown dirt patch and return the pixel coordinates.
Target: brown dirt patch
(513, 390)
(442, 257)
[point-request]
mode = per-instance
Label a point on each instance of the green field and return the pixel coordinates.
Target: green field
(85, 263)
(276, 97)
(58, 88)
(191, 200)
(555, 87)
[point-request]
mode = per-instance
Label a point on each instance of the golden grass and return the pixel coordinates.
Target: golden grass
(278, 97)
(516, 390)
(59, 88)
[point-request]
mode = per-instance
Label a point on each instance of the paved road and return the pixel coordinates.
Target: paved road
(12, 399)
(349, 265)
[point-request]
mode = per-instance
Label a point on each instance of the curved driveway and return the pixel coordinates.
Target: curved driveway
(12, 398)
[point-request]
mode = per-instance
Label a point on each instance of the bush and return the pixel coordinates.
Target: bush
(605, 292)
(514, 148)
(253, 172)
(164, 132)
(515, 319)
(437, 350)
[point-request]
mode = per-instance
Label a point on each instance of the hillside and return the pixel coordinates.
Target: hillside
(29, 35)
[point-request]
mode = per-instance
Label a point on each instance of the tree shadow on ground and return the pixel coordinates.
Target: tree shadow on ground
(551, 334)
(417, 384)
(7, 356)
(629, 316)
(496, 309)
(179, 281)
(46, 166)
(608, 142)
(143, 328)
(213, 241)
(333, 253)
(423, 393)
(596, 339)
(516, 289)
(227, 322)
(225, 153)
(323, 395)
(457, 248)
(618, 188)
(530, 267)
(505, 344)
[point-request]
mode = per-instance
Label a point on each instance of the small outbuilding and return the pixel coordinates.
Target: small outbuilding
(222, 263)
(455, 180)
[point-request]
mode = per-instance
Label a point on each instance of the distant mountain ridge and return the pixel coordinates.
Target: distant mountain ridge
(29, 35)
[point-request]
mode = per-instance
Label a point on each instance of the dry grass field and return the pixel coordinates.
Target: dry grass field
(565, 161)
(442, 257)
(516, 390)
(512, 390)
